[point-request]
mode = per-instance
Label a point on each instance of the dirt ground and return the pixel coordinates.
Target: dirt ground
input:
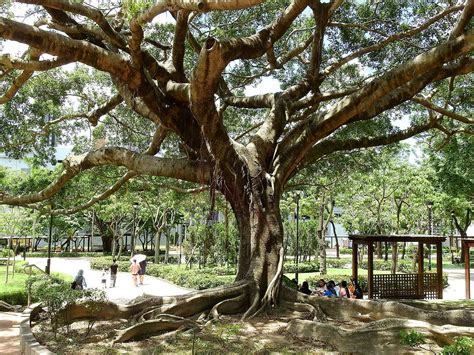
(262, 335)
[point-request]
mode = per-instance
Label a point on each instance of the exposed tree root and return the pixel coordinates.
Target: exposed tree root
(306, 310)
(347, 309)
(184, 305)
(384, 318)
(230, 306)
(153, 327)
(382, 336)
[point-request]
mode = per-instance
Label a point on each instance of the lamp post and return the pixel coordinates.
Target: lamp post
(132, 241)
(183, 237)
(430, 204)
(48, 261)
(297, 198)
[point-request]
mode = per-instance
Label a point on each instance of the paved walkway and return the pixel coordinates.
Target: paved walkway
(10, 333)
(124, 291)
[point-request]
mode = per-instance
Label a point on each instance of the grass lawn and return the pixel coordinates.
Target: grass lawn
(14, 292)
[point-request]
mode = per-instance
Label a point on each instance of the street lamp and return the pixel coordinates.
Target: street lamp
(297, 256)
(183, 237)
(430, 204)
(48, 261)
(132, 241)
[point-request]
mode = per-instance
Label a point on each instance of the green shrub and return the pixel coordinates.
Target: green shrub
(290, 267)
(343, 263)
(56, 295)
(462, 346)
(411, 337)
(6, 251)
(345, 250)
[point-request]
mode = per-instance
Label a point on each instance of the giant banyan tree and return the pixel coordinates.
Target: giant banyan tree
(181, 70)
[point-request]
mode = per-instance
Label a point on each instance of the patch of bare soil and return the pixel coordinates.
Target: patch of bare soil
(261, 335)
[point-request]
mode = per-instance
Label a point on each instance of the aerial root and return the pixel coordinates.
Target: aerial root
(155, 326)
(382, 336)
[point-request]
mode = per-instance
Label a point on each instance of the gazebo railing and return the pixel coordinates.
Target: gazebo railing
(405, 286)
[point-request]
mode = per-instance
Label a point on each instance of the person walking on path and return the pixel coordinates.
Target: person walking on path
(142, 271)
(103, 279)
(80, 280)
(135, 269)
(113, 273)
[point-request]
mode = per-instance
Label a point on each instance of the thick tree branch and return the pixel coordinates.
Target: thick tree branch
(158, 137)
(321, 16)
(183, 169)
(98, 112)
(181, 30)
(70, 49)
(369, 98)
(463, 20)
(86, 11)
(329, 146)
(194, 5)
(31, 65)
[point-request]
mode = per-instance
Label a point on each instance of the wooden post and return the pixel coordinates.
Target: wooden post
(439, 269)
(355, 260)
(467, 271)
(421, 286)
(370, 267)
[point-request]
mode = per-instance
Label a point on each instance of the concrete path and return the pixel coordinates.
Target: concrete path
(10, 333)
(123, 292)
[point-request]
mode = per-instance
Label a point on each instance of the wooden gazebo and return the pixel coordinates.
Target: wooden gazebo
(467, 244)
(418, 285)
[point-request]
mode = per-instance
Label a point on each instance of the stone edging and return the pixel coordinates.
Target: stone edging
(29, 344)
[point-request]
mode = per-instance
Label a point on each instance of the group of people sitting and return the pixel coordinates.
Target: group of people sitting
(331, 289)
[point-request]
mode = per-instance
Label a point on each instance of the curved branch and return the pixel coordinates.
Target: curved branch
(390, 39)
(181, 30)
(441, 110)
(70, 49)
(463, 20)
(31, 65)
(329, 146)
(392, 88)
(192, 171)
(158, 137)
(98, 112)
(89, 12)
(20, 80)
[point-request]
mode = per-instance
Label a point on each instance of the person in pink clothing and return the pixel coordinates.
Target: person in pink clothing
(135, 269)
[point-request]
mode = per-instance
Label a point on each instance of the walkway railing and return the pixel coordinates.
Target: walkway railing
(30, 272)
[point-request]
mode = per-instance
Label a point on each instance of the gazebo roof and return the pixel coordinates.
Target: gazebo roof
(367, 238)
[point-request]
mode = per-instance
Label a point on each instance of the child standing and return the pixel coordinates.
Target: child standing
(104, 278)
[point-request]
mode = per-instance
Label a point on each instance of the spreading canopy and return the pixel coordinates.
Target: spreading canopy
(347, 71)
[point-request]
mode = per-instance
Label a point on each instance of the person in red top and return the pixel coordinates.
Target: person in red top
(135, 269)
